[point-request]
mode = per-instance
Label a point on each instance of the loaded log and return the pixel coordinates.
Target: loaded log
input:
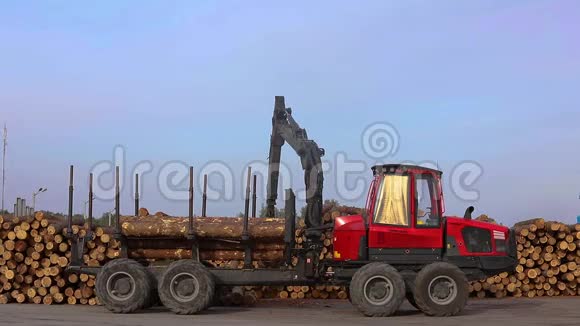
(223, 255)
(205, 227)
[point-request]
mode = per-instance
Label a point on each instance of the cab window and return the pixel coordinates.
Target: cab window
(392, 202)
(426, 201)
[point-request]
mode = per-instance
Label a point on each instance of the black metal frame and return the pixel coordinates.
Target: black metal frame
(76, 243)
(248, 245)
(204, 197)
(191, 226)
(283, 275)
(290, 225)
(89, 235)
(254, 196)
(136, 194)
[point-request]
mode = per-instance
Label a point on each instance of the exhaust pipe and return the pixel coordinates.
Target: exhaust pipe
(468, 212)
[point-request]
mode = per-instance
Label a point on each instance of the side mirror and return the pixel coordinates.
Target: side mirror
(468, 212)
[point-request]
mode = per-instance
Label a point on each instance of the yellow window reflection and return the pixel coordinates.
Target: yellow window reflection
(392, 201)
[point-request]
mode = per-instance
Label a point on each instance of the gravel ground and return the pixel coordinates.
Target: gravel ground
(512, 312)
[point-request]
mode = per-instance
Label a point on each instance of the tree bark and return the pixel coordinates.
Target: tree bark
(204, 227)
(206, 244)
(223, 255)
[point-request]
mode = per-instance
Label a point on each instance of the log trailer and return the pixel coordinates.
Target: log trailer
(402, 246)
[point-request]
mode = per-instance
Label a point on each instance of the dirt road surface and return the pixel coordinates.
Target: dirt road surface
(511, 312)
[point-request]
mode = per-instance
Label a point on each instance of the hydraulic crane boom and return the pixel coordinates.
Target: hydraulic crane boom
(286, 130)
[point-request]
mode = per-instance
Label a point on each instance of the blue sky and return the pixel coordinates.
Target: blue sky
(493, 82)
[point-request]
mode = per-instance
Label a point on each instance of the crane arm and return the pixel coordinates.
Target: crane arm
(286, 130)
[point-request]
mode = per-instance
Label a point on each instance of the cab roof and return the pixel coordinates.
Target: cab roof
(385, 168)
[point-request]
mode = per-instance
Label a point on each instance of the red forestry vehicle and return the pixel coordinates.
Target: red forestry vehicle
(402, 246)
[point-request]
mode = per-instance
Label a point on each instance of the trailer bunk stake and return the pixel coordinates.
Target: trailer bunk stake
(89, 235)
(136, 194)
(290, 225)
(245, 232)
(204, 198)
(70, 202)
(191, 227)
(254, 195)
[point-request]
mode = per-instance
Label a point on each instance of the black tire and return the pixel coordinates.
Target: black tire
(123, 286)
(368, 294)
(154, 295)
(186, 287)
(348, 295)
(441, 290)
(410, 293)
(409, 277)
(411, 299)
(152, 279)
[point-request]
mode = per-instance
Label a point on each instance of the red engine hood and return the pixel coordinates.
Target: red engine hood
(349, 223)
(454, 220)
(348, 232)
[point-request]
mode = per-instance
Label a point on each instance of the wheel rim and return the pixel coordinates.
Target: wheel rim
(442, 290)
(184, 287)
(121, 286)
(378, 290)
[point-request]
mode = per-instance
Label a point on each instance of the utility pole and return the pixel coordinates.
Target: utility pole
(85, 209)
(4, 144)
(111, 216)
(34, 194)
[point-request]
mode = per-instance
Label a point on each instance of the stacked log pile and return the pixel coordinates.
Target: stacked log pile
(34, 254)
(549, 259)
(300, 292)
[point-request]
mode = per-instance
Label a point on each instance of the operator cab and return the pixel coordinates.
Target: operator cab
(405, 208)
(404, 216)
(395, 186)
